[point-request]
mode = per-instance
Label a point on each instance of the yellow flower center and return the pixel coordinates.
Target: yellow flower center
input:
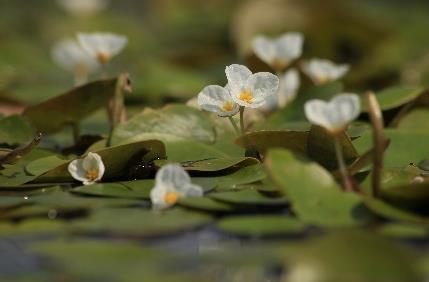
(322, 79)
(103, 58)
(246, 96)
(171, 197)
(228, 106)
(91, 174)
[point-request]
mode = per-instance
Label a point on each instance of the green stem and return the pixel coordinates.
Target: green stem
(242, 120)
(76, 132)
(342, 165)
(237, 130)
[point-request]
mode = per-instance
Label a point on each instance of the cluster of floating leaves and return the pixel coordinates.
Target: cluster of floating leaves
(198, 191)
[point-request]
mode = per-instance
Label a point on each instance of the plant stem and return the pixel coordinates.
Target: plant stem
(76, 132)
(377, 121)
(342, 165)
(237, 130)
(242, 119)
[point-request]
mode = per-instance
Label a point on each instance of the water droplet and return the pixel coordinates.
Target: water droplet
(26, 198)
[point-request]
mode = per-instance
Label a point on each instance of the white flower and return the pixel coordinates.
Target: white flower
(171, 183)
(83, 7)
(88, 170)
(69, 55)
(334, 115)
(322, 71)
(278, 52)
(217, 99)
(250, 90)
(288, 88)
(102, 45)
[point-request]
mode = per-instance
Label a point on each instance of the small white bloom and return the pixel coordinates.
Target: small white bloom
(288, 88)
(250, 90)
(83, 7)
(171, 183)
(322, 71)
(102, 45)
(87, 170)
(334, 115)
(70, 56)
(278, 52)
(217, 99)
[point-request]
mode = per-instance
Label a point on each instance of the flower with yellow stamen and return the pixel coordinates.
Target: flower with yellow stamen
(102, 46)
(248, 89)
(217, 99)
(172, 182)
(88, 170)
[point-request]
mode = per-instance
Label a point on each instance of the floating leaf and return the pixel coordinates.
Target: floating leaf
(211, 165)
(15, 130)
(176, 120)
(394, 97)
(138, 222)
(205, 204)
(250, 198)
(313, 193)
(415, 121)
(261, 225)
(73, 106)
(118, 189)
(404, 231)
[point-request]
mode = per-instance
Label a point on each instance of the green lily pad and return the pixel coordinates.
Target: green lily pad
(415, 121)
(250, 198)
(205, 204)
(404, 231)
(263, 140)
(211, 165)
(176, 120)
(43, 165)
(261, 225)
(313, 193)
(118, 189)
(144, 223)
(413, 196)
(73, 106)
(405, 147)
(394, 97)
(15, 130)
(32, 227)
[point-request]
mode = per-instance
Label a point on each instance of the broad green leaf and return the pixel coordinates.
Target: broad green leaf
(261, 225)
(205, 204)
(42, 165)
(70, 108)
(176, 120)
(350, 255)
(394, 97)
(413, 196)
(321, 148)
(33, 227)
(313, 193)
(405, 147)
(249, 198)
(211, 165)
(415, 120)
(404, 231)
(263, 140)
(15, 130)
(118, 189)
(138, 222)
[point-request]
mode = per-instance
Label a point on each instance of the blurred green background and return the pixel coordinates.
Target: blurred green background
(176, 47)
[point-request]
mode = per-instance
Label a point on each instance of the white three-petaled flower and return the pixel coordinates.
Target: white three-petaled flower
(217, 99)
(278, 52)
(288, 88)
(334, 115)
(322, 71)
(83, 7)
(250, 90)
(171, 183)
(69, 55)
(88, 170)
(102, 45)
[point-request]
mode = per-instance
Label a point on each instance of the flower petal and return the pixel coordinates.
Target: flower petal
(289, 46)
(322, 71)
(237, 76)
(215, 98)
(288, 88)
(344, 109)
(77, 171)
(106, 43)
(316, 112)
(261, 85)
(93, 161)
(264, 49)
